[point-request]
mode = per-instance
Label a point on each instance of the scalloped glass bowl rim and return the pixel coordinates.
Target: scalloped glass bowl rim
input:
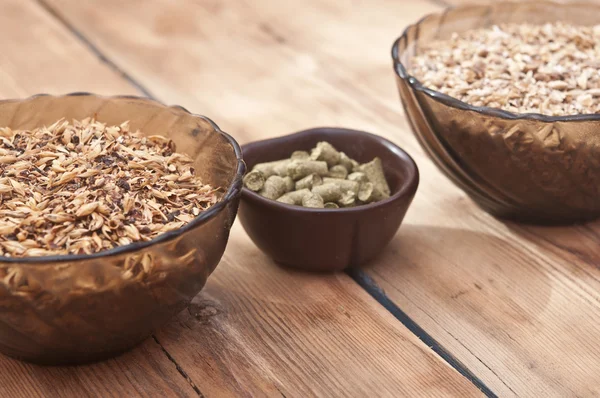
(232, 190)
(409, 186)
(453, 102)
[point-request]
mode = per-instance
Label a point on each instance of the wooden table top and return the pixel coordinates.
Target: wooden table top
(459, 304)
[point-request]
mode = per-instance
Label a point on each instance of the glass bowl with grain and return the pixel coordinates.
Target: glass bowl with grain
(505, 99)
(113, 213)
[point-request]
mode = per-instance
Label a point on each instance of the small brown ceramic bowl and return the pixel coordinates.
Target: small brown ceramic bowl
(328, 239)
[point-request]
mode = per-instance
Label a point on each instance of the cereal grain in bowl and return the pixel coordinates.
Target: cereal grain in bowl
(74, 308)
(84, 187)
(550, 68)
(540, 166)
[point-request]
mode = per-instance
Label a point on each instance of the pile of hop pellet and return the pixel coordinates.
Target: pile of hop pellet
(323, 178)
(84, 187)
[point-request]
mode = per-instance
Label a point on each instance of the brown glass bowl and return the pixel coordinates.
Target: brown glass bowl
(527, 167)
(328, 239)
(81, 308)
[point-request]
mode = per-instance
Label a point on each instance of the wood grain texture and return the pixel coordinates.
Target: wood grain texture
(517, 305)
(258, 329)
(142, 372)
(260, 68)
(40, 56)
(455, 3)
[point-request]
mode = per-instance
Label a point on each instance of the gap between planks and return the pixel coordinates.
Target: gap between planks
(371, 287)
(95, 50)
(359, 277)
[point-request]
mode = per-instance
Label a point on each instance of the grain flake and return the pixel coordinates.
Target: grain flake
(549, 69)
(84, 187)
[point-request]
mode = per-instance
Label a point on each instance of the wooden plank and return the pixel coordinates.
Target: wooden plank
(521, 312)
(455, 3)
(239, 62)
(258, 329)
(517, 305)
(143, 372)
(40, 54)
(273, 331)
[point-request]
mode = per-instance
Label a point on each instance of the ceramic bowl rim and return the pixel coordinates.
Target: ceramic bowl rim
(408, 186)
(233, 190)
(453, 102)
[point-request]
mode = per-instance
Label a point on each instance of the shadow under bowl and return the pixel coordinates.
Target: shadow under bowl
(328, 239)
(81, 308)
(526, 167)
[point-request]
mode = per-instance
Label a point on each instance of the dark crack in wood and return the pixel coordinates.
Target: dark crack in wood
(179, 368)
(95, 50)
(367, 283)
